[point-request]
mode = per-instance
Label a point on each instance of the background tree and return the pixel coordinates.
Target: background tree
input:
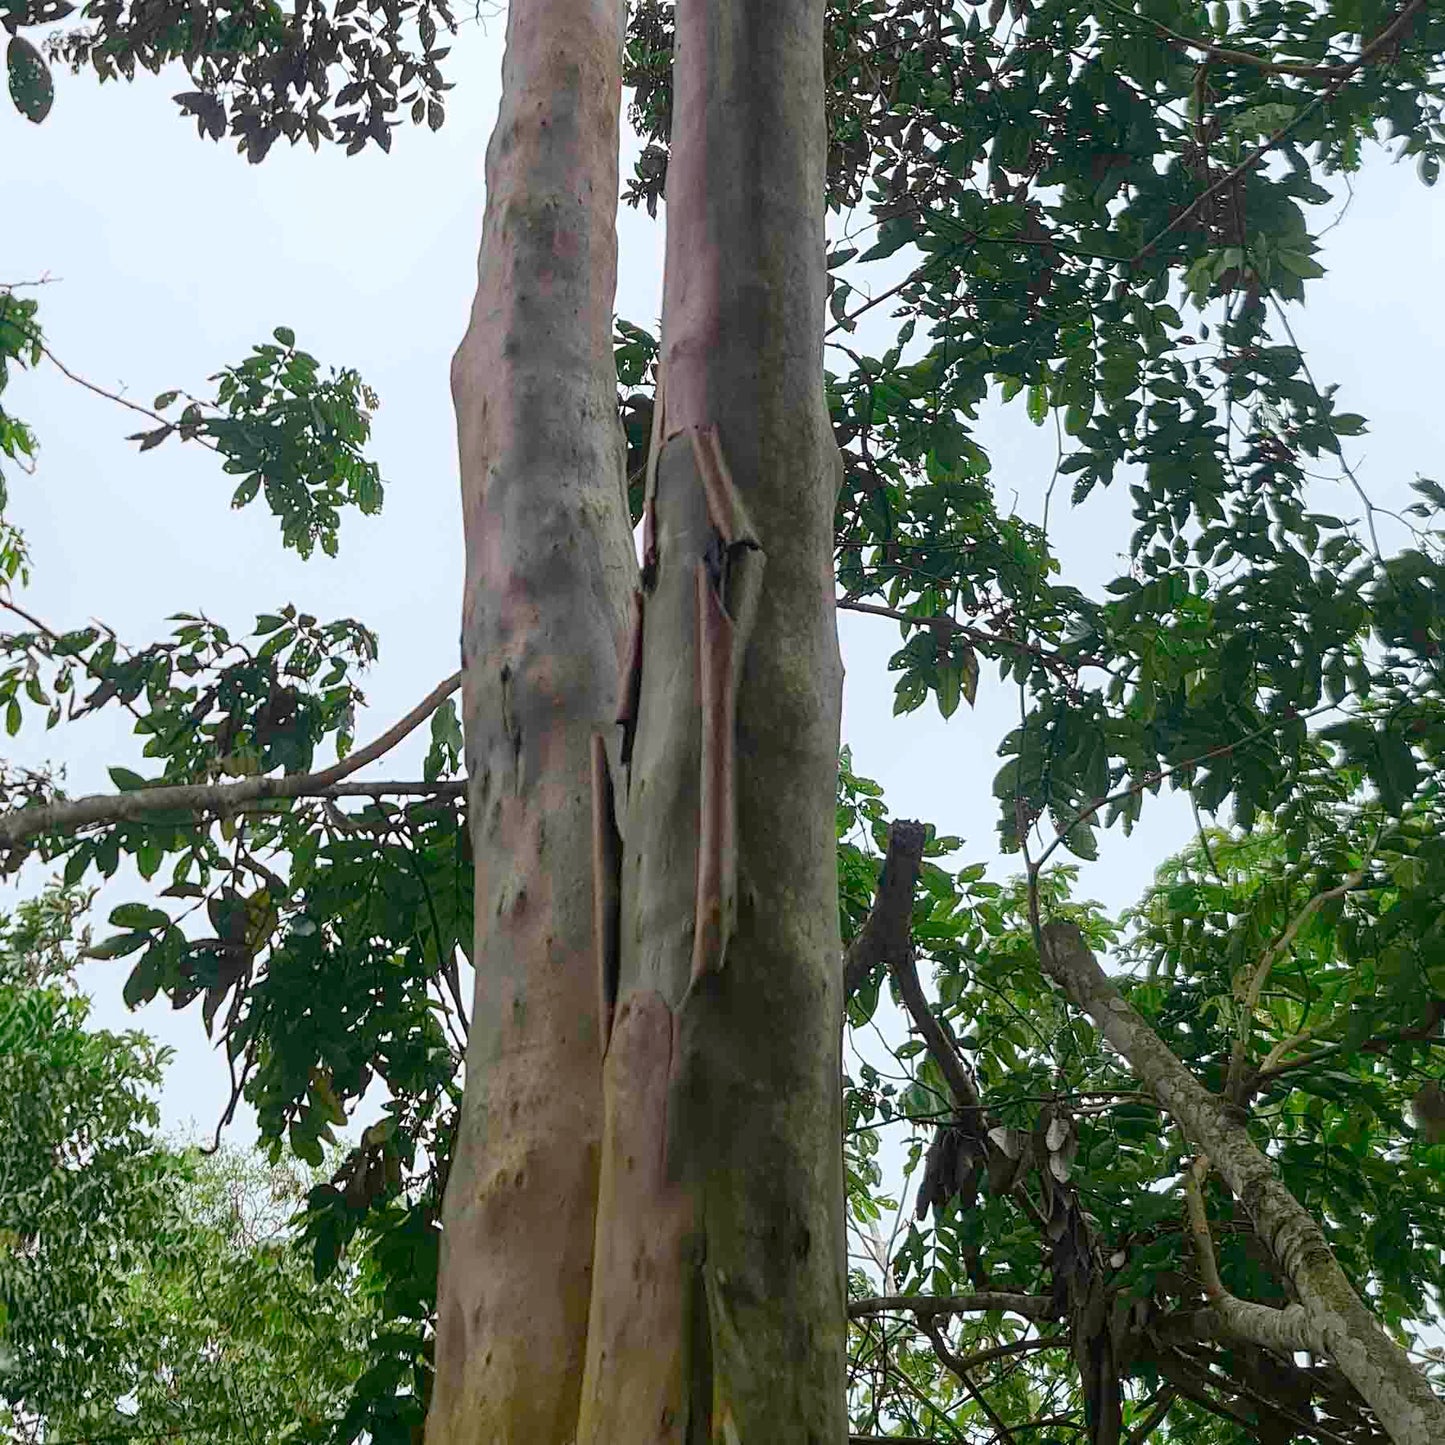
(1064, 175)
(145, 1292)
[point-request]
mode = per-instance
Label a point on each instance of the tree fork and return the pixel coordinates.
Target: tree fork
(549, 580)
(718, 1306)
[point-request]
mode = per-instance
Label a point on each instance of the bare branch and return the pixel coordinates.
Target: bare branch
(963, 1366)
(886, 932)
(1155, 1418)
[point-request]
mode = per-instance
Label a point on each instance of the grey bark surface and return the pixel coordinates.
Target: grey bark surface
(719, 1297)
(1335, 1317)
(550, 571)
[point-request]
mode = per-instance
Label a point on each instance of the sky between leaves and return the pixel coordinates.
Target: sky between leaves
(172, 256)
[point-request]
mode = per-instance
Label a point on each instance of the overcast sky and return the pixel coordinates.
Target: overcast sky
(172, 257)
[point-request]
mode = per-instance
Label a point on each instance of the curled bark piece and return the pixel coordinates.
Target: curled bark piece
(606, 867)
(724, 503)
(717, 847)
(741, 582)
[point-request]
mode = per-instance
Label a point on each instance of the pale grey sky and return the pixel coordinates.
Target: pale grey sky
(172, 256)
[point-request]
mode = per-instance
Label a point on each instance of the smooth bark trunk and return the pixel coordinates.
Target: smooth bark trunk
(550, 573)
(1335, 1318)
(718, 1308)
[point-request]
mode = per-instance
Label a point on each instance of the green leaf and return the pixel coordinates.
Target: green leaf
(118, 946)
(139, 915)
(31, 86)
(1300, 265)
(950, 688)
(285, 336)
(125, 780)
(1395, 771)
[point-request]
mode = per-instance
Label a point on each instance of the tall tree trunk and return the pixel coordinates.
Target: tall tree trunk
(550, 574)
(1332, 1315)
(718, 1307)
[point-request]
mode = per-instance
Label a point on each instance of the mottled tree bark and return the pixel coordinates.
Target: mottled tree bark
(718, 1307)
(1332, 1316)
(550, 574)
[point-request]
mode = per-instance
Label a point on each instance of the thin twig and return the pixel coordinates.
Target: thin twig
(1262, 970)
(976, 635)
(114, 396)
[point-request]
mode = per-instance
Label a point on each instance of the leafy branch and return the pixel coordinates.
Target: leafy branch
(68, 816)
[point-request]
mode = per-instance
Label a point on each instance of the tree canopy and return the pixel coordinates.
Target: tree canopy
(1102, 215)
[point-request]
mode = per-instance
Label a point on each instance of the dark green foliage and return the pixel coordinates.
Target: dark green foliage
(1058, 182)
(345, 73)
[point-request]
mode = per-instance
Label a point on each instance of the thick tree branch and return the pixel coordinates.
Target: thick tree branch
(68, 816)
(886, 932)
(894, 1440)
(386, 788)
(1281, 1330)
(1380, 1370)
(935, 1033)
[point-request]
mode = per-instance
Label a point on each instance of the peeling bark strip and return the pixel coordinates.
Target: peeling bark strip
(717, 844)
(1401, 1397)
(718, 1306)
(725, 508)
(606, 866)
(550, 571)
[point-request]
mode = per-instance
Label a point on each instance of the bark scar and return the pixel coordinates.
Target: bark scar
(606, 890)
